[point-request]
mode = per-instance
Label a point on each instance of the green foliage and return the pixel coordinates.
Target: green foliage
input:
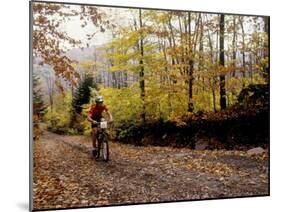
(58, 118)
(84, 121)
(254, 95)
(124, 104)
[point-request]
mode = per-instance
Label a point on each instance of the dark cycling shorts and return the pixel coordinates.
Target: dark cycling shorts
(94, 124)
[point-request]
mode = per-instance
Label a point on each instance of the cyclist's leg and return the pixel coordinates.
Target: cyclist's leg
(94, 137)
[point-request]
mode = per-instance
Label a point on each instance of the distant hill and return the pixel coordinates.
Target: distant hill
(89, 53)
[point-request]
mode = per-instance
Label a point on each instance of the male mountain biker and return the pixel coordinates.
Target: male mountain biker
(94, 116)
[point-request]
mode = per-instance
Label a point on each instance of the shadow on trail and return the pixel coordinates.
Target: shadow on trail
(113, 162)
(80, 147)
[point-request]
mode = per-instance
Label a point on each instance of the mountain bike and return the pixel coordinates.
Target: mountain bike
(102, 141)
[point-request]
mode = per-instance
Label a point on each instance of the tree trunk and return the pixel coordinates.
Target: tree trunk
(266, 48)
(114, 80)
(212, 84)
(191, 63)
(201, 50)
(125, 79)
(173, 58)
(141, 74)
(222, 76)
(243, 52)
(234, 46)
(167, 78)
(181, 41)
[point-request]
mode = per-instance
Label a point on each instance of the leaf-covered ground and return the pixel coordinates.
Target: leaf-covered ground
(65, 175)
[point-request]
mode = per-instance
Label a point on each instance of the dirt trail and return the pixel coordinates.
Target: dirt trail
(65, 175)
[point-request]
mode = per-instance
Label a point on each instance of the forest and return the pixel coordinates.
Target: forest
(157, 68)
(189, 96)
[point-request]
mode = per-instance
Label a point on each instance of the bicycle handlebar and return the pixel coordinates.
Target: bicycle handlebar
(98, 122)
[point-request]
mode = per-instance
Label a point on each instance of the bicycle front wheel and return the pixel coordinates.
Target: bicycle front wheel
(105, 151)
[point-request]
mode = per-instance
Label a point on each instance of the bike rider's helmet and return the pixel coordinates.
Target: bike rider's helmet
(99, 99)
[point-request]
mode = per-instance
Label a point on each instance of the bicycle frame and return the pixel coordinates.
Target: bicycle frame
(102, 142)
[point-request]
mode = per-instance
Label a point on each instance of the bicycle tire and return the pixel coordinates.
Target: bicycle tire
(98, 148)
(105, 150)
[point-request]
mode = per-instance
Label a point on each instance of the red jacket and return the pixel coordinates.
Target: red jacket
(96, 111)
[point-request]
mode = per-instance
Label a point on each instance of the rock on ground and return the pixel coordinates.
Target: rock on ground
(255, 151)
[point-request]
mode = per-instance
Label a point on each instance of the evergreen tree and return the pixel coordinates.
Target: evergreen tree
(81, 96)
(83, 93)
(39, 108)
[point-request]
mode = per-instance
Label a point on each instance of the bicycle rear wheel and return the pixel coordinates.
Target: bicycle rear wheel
(99, 149)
